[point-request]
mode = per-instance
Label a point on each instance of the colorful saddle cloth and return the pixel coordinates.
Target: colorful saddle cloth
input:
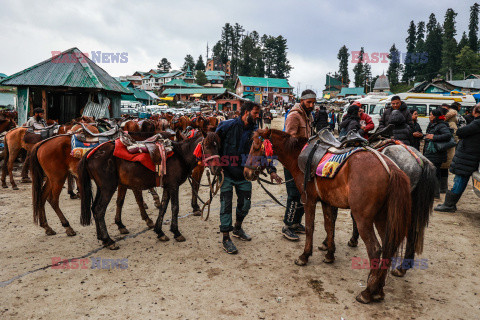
(331, 163)
(79, 148)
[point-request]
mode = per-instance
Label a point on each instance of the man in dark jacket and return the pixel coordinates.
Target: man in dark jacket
(396, 104)
(235, 136)
(465, 161)
(401, 131)
(321, 118)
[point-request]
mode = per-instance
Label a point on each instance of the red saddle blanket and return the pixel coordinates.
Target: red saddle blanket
(144, 158)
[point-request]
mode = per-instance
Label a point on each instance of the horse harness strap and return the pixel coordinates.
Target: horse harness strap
(382, 160)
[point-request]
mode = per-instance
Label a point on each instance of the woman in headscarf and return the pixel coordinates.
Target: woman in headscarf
(351, 121)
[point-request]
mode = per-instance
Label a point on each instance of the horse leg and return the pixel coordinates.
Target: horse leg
(175, 208)
(400, 271)
(25, 167)
(13, 154)
(309, 228)
(353, 242)
(143, 212)
(71, 185)
(46, 191)
(323, 246)
(161, 213)
(121, 191)
(367, 232)
(196, 178)
(329, 224)
(53, 199)
(156, 198)
(102, 199)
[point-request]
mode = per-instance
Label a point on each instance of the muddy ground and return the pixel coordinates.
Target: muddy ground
(196, 279)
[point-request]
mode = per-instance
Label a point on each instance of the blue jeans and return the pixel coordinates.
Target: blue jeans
(459, 184)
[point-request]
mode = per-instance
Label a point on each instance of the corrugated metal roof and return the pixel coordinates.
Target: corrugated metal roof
(194, 91)
(215, 73)
(71, 69)
(469, 83)
(182, 83)
(3, 75)
(357, 91)
(264, 82)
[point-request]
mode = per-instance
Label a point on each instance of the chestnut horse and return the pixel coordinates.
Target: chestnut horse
(108, 172)
(387, 206)
(51, 158)
(7, 124)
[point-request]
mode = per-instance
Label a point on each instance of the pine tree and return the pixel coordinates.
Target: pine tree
(164, 65)
(468, 61)
(247, 63)
(394, 68)
(201, 78)
(343, 56)
(358, 70)
(433, 48)
(463, 41)
(421, 55)
(449, 48)
(473, 28)
(410, 58)
(282, 65)
(189, 62)
(367, 76)
(200, 65)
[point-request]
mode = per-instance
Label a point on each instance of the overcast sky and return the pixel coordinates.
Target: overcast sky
(151, 30)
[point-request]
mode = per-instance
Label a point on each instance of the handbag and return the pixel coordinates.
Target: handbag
(443, 146)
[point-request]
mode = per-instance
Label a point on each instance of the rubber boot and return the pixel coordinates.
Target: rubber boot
(450, 204)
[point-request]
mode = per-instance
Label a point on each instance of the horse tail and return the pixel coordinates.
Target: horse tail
(422, 204)
(399, 205)
(37, 185)
(85, 188)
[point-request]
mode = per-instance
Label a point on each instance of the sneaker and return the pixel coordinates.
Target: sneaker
(240, 234)
(298, 228)
(290, 234)
(229, 247)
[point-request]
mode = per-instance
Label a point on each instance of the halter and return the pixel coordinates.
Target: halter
(267, 149)
(199, 152)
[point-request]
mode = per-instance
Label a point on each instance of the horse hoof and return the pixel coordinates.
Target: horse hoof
(378, 297)
(300, 262)
(322, 247)
(362, 299)
(158, 205)
(180, 239)
(70, 232)
(150, 224)
(145, 205)
(50, 232)
(74, 196)
(328, 260)
(352, 243)
(197, 213)
(163, 238)
(26, 180)
(14, 188)
(399, 272)
(124, 231)
(4, 186)
(113, 246)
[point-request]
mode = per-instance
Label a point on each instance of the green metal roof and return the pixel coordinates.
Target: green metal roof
(71, 69)
(138, 94)
(358, 91)
(194, 90)
(264, 82)
(217, 73)
(331, 81)
(3, 75)
(210, 78)
(181, 83)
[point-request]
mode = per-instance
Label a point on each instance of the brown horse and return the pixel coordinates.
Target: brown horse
(108, 172)
(180, 123)
(387, 206)
(52, 159)
(7, 124)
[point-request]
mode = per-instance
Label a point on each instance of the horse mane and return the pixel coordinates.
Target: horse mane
(292, 143)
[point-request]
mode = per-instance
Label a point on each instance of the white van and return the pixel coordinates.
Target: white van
(425, 102)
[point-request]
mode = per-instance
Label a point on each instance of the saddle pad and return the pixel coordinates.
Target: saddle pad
(144, 158)
(331, 163)
(79, 148)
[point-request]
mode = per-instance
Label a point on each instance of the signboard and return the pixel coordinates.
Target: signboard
(23, 105)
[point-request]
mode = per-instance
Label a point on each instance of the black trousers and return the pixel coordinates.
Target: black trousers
(295, 210)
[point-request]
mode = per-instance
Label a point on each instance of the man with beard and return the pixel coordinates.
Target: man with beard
(298, 124)
(37, 122)
(236, 140)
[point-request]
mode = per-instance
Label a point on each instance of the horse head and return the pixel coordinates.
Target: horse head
(261, 149)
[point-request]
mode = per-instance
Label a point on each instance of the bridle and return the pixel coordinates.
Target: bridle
(257, 170)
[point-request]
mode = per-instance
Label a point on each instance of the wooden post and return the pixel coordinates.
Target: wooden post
(44, 103)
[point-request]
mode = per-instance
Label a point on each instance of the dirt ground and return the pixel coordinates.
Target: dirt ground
(196, 279)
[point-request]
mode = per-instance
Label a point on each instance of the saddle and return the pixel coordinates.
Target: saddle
(89, 137)
(156, 146)
(36, 135)
(324, 141)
